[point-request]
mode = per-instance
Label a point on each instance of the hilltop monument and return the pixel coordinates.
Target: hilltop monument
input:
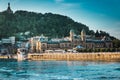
(9, 9)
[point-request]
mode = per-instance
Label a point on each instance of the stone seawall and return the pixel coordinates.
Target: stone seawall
(4, 57)
(110, 56)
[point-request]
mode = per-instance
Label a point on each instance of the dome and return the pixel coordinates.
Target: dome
(83, 31)
(71, 30)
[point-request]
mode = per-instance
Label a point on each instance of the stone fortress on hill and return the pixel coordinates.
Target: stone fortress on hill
(82, 41)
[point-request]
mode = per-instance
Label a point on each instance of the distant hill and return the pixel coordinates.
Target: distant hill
(49, 24)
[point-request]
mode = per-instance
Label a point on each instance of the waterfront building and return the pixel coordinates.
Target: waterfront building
(41, 43)
(7, 45)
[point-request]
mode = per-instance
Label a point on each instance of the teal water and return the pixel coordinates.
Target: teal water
(58, 70)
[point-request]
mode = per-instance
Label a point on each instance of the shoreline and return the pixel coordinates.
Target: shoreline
(106, 56)
(4, 57)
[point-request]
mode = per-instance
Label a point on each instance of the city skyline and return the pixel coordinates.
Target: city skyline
(97, 15)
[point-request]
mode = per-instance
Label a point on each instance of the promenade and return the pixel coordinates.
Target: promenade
(3, 57)
(105, 56)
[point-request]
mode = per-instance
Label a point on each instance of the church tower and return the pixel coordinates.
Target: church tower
(83, 35)
(71, 35)
(9, 9)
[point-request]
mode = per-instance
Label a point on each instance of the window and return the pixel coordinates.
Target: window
(65, 45)
(69, 44)
(43, 44)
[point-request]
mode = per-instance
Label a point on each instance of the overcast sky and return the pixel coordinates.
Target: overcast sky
(97, 14)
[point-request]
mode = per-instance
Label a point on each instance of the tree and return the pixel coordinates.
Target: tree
(97, 34)
(116, 43)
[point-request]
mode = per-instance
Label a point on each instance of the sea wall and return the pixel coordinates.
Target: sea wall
(4, 57)
(107, 56)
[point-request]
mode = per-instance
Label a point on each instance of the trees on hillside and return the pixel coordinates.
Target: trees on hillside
(51, 25)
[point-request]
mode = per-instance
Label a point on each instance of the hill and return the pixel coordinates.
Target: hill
(53, 25)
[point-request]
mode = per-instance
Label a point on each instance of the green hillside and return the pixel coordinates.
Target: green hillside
(51, 25)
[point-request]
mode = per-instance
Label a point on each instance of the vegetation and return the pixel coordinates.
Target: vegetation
(116, 43)
(53, 25)
(100, 50)
(101, 34)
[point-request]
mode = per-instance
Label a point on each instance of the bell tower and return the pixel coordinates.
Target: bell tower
(71, 35)
(83, 35)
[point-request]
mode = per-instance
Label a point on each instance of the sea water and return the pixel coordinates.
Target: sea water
(58, 70)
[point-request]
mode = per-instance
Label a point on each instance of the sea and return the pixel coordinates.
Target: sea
(58, 70)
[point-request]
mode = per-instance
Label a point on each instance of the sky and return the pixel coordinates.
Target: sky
(96, 14)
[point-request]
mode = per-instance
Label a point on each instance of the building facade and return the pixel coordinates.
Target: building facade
(41, 43)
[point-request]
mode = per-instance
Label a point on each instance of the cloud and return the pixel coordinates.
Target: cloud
(117, 23)
(68, 4)
(59, 1)
(115, 30)
(65, 4)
